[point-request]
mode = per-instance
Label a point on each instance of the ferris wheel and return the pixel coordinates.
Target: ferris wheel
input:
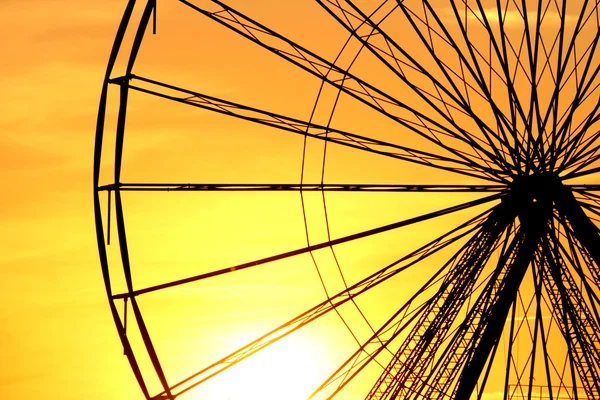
(428, 212)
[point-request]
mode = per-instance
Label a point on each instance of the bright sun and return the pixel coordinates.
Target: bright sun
(287, 370)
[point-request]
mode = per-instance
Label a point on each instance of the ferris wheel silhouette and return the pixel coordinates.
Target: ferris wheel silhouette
(495, 101)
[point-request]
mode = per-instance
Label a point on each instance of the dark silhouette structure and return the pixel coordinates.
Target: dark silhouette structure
(520, 117)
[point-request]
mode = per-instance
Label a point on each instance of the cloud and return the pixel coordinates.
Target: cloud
(42, 33)
(530, 318)
(515, 18)
(26, 157)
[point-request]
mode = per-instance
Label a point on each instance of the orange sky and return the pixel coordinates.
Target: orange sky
(57, 337)
(54, 329)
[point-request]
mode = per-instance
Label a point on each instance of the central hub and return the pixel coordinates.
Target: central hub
(536, 187)
(532, 196)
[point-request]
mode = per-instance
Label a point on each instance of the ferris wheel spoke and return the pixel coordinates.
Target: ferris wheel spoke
(516, 50)
(404, 114)
(587, 197)
(501, 47)
(474, 64)
(550, 119)
(451, 282)
(583, 228)
(573, 145)
(543, 329)
(476, 71)
(505, 295)
(553, 108)
(294, 125)
(579, 257)
(533, 50)
(311, 248)
(571, 152)
(578, 326)
(378, 342)
(522, 132)
(332, 303)
(557, 78)
(579, 154)
(576, 257)
(517, 330)
(586, 155)
(581, 87)
(470, 65)
(504, 124)
(592, 208)
(306, 187)
(469, 335)
(582, 93)
(520, 69)
(583, 18)
(515, 106)
(404, 376)
(590, 202)
(375, 39)
(577, 173)
(500, 146)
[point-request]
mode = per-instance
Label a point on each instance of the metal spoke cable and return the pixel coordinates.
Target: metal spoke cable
(301, 127)
(352, 367)
(476, 74)
(501, 57)
(347, 82)
(388, 57)
(337, 300)
(563, 67)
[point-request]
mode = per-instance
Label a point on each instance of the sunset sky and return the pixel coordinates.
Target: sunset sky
(57, 336)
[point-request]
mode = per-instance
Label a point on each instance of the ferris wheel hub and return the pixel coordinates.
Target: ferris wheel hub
(536, 187)
(535, 194)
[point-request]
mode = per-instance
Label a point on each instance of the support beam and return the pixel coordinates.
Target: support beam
(531, 200)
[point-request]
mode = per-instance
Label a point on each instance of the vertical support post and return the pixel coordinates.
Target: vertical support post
(125, 321)
(154, 18)
(534, 208)
(108, 219)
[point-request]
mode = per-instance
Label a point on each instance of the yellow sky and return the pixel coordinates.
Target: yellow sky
(54, 328)
(57, 337)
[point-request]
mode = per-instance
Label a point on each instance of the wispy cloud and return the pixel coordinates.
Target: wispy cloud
(530, 318)
(514, 18)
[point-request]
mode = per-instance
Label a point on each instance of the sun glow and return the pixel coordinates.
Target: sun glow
(290, 370)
